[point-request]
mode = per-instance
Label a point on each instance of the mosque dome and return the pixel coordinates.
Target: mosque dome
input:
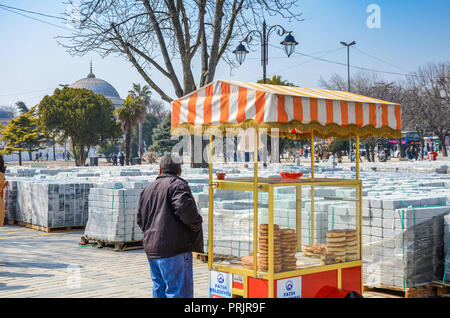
(99, 86)
(4, 116)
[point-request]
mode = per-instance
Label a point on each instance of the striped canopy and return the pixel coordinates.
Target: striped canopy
(294, 111)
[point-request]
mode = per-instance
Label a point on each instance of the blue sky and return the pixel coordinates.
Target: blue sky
(412, 33)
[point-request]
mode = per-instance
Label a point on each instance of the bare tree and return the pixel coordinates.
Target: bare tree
(155, 35)
(157, 108)
(171, 36)
(429, 100)
(11, 110)
(371, 85)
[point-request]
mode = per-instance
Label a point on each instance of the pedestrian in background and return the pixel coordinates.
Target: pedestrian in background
(172, 228)
(122, 159)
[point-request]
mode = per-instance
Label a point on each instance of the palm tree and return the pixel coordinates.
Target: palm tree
(142, 94)
(131, 113)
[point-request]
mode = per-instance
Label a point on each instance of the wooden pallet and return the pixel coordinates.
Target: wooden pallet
(46, 229)
(217, 257)
(442, 289)
(398, 292)
(201, 256)
(115, 246)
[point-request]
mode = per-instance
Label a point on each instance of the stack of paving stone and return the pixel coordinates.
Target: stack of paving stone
(402, 240)
(113, 214)
(51, 203)
(321, 222)
(26, 172)
(201, 199)
(446, 270)
(233, 221)
(233, 231)
(10, 197)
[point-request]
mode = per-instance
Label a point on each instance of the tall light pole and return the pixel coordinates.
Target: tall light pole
(288, 42)
(348, 45)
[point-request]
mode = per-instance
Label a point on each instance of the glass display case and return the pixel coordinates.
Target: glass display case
(302, 227)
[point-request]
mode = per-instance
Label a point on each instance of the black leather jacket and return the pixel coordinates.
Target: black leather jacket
(169, 218)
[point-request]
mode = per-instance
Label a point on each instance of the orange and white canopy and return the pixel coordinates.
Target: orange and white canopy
(232, 104)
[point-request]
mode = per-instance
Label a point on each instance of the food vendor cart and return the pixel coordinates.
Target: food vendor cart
(290, 253)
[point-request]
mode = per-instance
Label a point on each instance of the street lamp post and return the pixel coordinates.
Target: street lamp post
(288, 42)
(348, 45)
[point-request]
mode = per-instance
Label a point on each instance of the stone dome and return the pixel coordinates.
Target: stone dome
(99, 86)
(4, 116)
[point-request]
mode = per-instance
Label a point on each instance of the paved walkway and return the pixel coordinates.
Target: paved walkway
(54, 265)
(39, 264)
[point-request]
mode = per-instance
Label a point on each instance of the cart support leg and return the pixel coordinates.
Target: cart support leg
(255, 205)
(210, 206)
(311, 236)
(312, 153)
(357, 157)
(271, 246)
(359, 227)
(298, 219)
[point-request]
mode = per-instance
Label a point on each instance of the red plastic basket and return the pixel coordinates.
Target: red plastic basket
(288, 175)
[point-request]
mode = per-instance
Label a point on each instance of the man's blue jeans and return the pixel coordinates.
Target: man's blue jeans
(172, 277)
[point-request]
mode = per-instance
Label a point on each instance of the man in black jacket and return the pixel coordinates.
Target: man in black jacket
(172, 229)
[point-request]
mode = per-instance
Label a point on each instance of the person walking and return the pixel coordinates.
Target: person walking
(172, 228)
(114, 159)
(122, 158)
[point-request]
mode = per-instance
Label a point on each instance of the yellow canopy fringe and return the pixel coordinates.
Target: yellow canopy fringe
(285, 130)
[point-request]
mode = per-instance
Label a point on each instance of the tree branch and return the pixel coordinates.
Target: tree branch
(149, 59)
(162, 44)
(139, 68)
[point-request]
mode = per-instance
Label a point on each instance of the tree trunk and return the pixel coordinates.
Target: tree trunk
(368, 153)
(441, 137)
(82, 156)
(20, 158)
(372, 152)
(54, 150)
(140, 148)
(224, 141)
(127, 147)
(75, 155)
(29, 156)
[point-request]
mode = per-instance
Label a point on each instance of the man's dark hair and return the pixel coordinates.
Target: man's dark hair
(169, 165)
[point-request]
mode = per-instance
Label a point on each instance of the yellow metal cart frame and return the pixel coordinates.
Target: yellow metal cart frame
(268, 185)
